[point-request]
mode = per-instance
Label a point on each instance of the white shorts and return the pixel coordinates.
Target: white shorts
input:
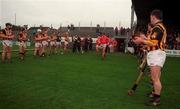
(44, 43)
(103, 45)
(97, 46)
(7, 43)
(65, 42)
(23, 44)
(58, 43)
(156, 58)
(111, 46)
(38, 44)
(53, 43)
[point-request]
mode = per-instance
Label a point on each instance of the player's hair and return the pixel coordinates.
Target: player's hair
(136, 34)
(8, 24)
(157, 13)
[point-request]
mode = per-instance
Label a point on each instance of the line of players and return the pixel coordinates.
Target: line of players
(44, 44)
(47, 45)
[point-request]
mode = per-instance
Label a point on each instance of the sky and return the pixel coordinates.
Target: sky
(109, 13)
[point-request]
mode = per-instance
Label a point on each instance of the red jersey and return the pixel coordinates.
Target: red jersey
(37, 38)
(110, 41)
(114, 43)
(104, 39)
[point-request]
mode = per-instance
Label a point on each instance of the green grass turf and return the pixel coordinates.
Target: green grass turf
(75, 81)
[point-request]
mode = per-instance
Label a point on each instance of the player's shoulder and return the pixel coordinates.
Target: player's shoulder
(3, 31)
(157, 29)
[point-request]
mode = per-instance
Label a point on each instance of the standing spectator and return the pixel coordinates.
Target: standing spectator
(85, 44)
(74, 44)
(82, 45)
(116, 31)
(90, 44)
(68, 27)
(79, 44)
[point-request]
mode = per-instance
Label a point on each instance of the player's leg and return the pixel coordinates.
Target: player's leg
(97, 49)
(155, 76)
(65, 47)
(9, 54)
(20, 51)
(4, 50)
(104, 52)
(36, 49)
(24, 50)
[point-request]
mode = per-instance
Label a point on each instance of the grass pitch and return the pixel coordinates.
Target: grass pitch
(76, 81)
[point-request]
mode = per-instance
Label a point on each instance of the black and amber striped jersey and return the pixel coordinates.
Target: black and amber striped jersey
(158, 37)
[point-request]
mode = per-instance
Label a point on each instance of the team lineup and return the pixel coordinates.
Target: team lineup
(47, 44)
